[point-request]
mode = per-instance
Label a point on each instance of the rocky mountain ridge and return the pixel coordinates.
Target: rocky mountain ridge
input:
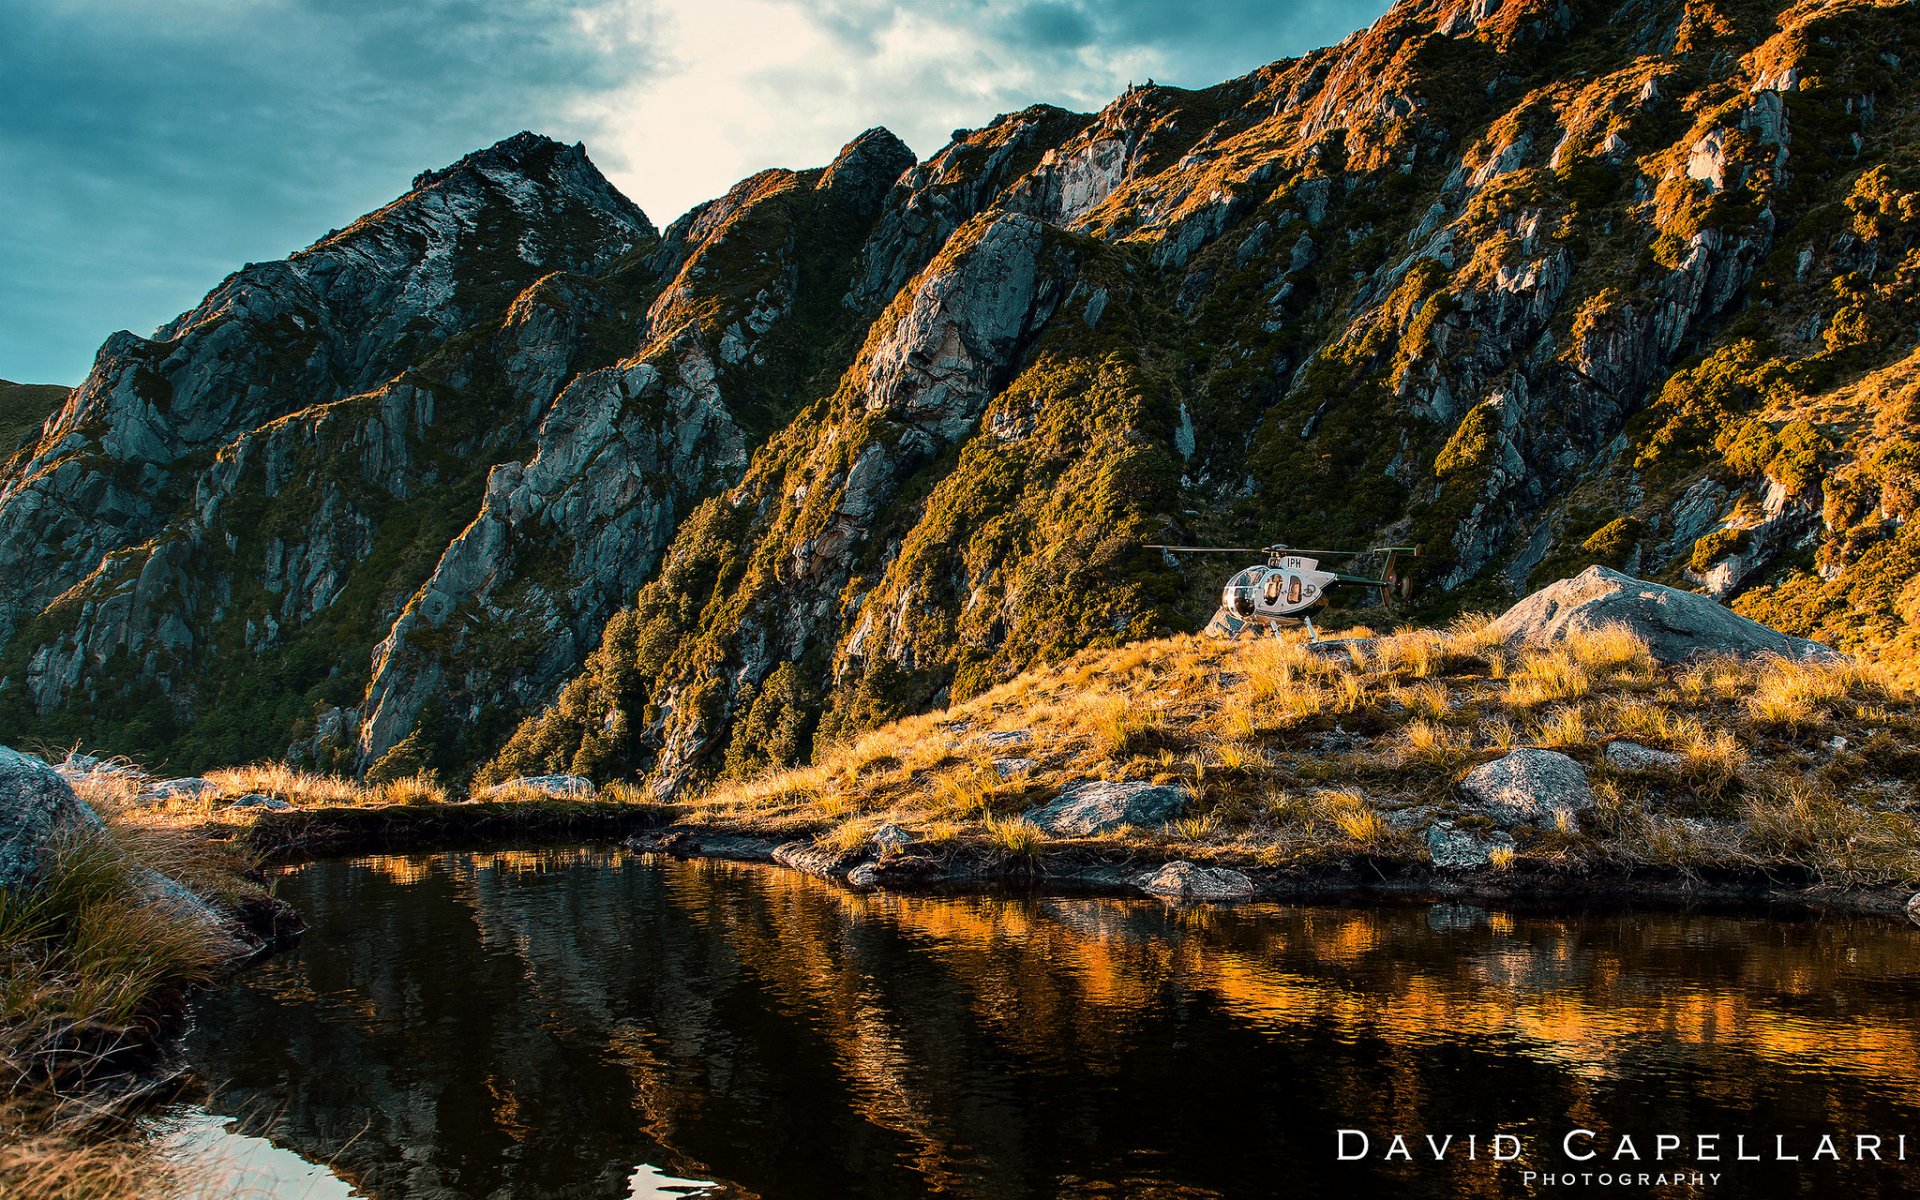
(1537, 285)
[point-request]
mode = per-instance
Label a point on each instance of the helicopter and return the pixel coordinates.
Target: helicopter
(1289, 585)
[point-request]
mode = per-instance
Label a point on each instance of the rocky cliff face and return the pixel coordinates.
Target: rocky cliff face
(1538, 285)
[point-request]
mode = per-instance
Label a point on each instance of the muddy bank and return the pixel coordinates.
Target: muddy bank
(297, 836)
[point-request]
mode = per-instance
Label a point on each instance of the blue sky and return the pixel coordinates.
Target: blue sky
(148, 148)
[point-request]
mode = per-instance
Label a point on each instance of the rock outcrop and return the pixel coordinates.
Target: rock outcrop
(1183, 880)
(39, 814)
(1454, 849)
(1098, 806)
(1676, 625)
(1528, 786)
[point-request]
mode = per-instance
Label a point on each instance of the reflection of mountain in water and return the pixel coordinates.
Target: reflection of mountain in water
(535, 1024)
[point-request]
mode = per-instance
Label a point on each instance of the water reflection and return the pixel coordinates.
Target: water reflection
(534, 1024)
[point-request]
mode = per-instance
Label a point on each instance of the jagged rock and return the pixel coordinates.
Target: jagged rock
(1007, 768)
(257, 800)
(1345, 651)
(76, 767)
(898, 871)
(1913, 908)
(1182, 880)
(38, 813)
(1004, 739)
(190, 788)
(889, 838)
(815, 859)
(1676, 625)
(1527, 786)
(1098, 806)
(1632, 756)
(1454, 849)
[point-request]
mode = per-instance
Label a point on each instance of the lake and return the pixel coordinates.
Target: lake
(591, 1022)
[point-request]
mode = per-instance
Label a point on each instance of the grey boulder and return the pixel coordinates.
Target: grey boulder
(1632, 756)
(191, 788)
(1097, 806)
(889, 838)
(1182, 880)
(38, 812)
(815, 859)
(1527, 786)
(1676, 625)
(1453, 849)
(256, 800)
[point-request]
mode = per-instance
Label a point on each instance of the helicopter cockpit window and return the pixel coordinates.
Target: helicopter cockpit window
(1240, 592)
(1293, 590)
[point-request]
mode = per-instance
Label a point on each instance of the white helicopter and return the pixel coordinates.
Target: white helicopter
(1289, 585)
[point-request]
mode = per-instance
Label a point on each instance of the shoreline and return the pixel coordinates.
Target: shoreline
(283, 839)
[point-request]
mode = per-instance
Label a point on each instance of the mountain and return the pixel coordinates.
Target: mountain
(502, 475)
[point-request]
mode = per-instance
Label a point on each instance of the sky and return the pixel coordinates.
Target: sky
(148, 149)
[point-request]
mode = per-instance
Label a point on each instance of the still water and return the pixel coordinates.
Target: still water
(592, 1023)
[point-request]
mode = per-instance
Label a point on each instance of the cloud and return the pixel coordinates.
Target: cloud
(150, 149)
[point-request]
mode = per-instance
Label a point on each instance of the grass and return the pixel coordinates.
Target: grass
(1294, 756)
(94, 972)
(1299, 757)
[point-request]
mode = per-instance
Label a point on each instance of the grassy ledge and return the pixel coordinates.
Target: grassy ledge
(1313, 763)
(1312, 769)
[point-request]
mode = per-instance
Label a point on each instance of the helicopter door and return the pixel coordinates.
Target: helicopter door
(1271, 595)
(1293, 589)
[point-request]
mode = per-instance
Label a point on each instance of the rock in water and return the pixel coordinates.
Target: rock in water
(1097, 806)
(815, 859)
(1676, 625)
(38, 810)
(1913, 908)
(1528, 786)
(1182, 880)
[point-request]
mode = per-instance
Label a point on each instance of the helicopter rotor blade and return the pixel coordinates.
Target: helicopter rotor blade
(1208, 549)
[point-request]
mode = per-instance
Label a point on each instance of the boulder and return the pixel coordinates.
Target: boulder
(1182, 880)
(1528, 786)
(900, 871)
(573, 787)
(1632, 756)
(191, 788)
(890, 838)
(1345, 651)
(1097, 806)
(38, 811)
(77, 766)
(256, 800)
(815, 859)
(1913, 908)
(1455, 849)
(1676, 625)
(1002, 739)
(1007, 768)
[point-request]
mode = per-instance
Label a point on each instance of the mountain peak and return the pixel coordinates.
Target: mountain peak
(870, 162)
